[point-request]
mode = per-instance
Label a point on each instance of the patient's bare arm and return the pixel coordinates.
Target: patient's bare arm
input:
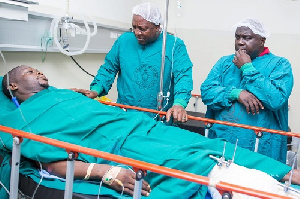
(126, 176)
(295, 178)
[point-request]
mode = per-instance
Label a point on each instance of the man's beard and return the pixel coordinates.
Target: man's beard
(44, 86)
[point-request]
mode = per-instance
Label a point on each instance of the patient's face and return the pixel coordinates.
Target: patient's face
(30, 80)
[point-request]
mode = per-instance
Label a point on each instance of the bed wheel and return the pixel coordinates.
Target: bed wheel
(226, 196)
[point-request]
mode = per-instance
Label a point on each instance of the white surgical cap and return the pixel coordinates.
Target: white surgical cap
(256, 26)
(149, 12)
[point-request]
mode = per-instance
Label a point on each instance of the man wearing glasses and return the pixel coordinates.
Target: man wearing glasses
(136, 58)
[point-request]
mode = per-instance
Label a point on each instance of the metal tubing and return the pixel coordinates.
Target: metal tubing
(160, 94)
(256, 144)
(70, 176)
(259, 134)
(15, 165)
(138, 184)
(206, 130)
(196, 104)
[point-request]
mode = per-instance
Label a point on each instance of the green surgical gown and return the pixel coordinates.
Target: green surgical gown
(270, 79)
(138, 69)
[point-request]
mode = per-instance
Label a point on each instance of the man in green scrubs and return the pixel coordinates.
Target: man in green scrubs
(136, 58)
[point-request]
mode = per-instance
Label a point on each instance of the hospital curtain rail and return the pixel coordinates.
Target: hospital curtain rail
(223, 186)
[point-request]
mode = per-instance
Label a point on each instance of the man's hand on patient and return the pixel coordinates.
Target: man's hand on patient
(178, 113)
(88, 93)
(250, 102)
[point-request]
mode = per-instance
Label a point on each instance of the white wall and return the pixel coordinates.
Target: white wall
(107, 12)
(60, 69)
(204, 25)
(206, 28)
(281, 16)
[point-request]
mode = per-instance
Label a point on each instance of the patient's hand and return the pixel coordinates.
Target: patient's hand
(127, 178)
(88, 93)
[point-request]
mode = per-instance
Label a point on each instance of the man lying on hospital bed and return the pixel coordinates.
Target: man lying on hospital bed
(71, 117)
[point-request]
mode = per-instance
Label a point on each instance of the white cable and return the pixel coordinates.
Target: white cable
(2, 143)
(68, 7)
(121, 165)
(3, 59)
(55, 29)
(5, 66)
(12, 96)
(4, 188)
(155, 117)
(100, 185)
(175, 35)
(18, 108)
(39, 182)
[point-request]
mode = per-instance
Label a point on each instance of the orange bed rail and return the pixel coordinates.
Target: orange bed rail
(207, 120)
(140, 164)
(196, 95)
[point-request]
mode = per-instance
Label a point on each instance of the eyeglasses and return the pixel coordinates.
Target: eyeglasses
(140, 30)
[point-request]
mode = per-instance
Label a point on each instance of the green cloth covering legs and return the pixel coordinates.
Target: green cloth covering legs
(69, 116)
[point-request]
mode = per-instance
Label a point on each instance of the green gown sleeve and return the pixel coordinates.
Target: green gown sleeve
(107, 72)
(214, 94)
(182, 72)
(273, 89)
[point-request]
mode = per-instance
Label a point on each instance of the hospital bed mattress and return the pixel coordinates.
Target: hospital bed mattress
(27, 187)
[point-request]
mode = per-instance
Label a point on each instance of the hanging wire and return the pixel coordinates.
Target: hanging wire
(4, 188)
(81, 67)
(5, 66)
(68, 7)
(18, 107)
(14, 99)
(39, 181)
(49, 40)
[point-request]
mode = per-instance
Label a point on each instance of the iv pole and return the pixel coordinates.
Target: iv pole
(160, 96)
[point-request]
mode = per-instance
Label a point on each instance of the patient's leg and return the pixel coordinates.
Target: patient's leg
(251, 178)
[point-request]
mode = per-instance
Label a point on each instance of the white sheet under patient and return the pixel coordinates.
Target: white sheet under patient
(245, 177)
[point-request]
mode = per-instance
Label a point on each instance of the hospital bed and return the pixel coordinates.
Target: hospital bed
(27, 186)
(227, 187)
